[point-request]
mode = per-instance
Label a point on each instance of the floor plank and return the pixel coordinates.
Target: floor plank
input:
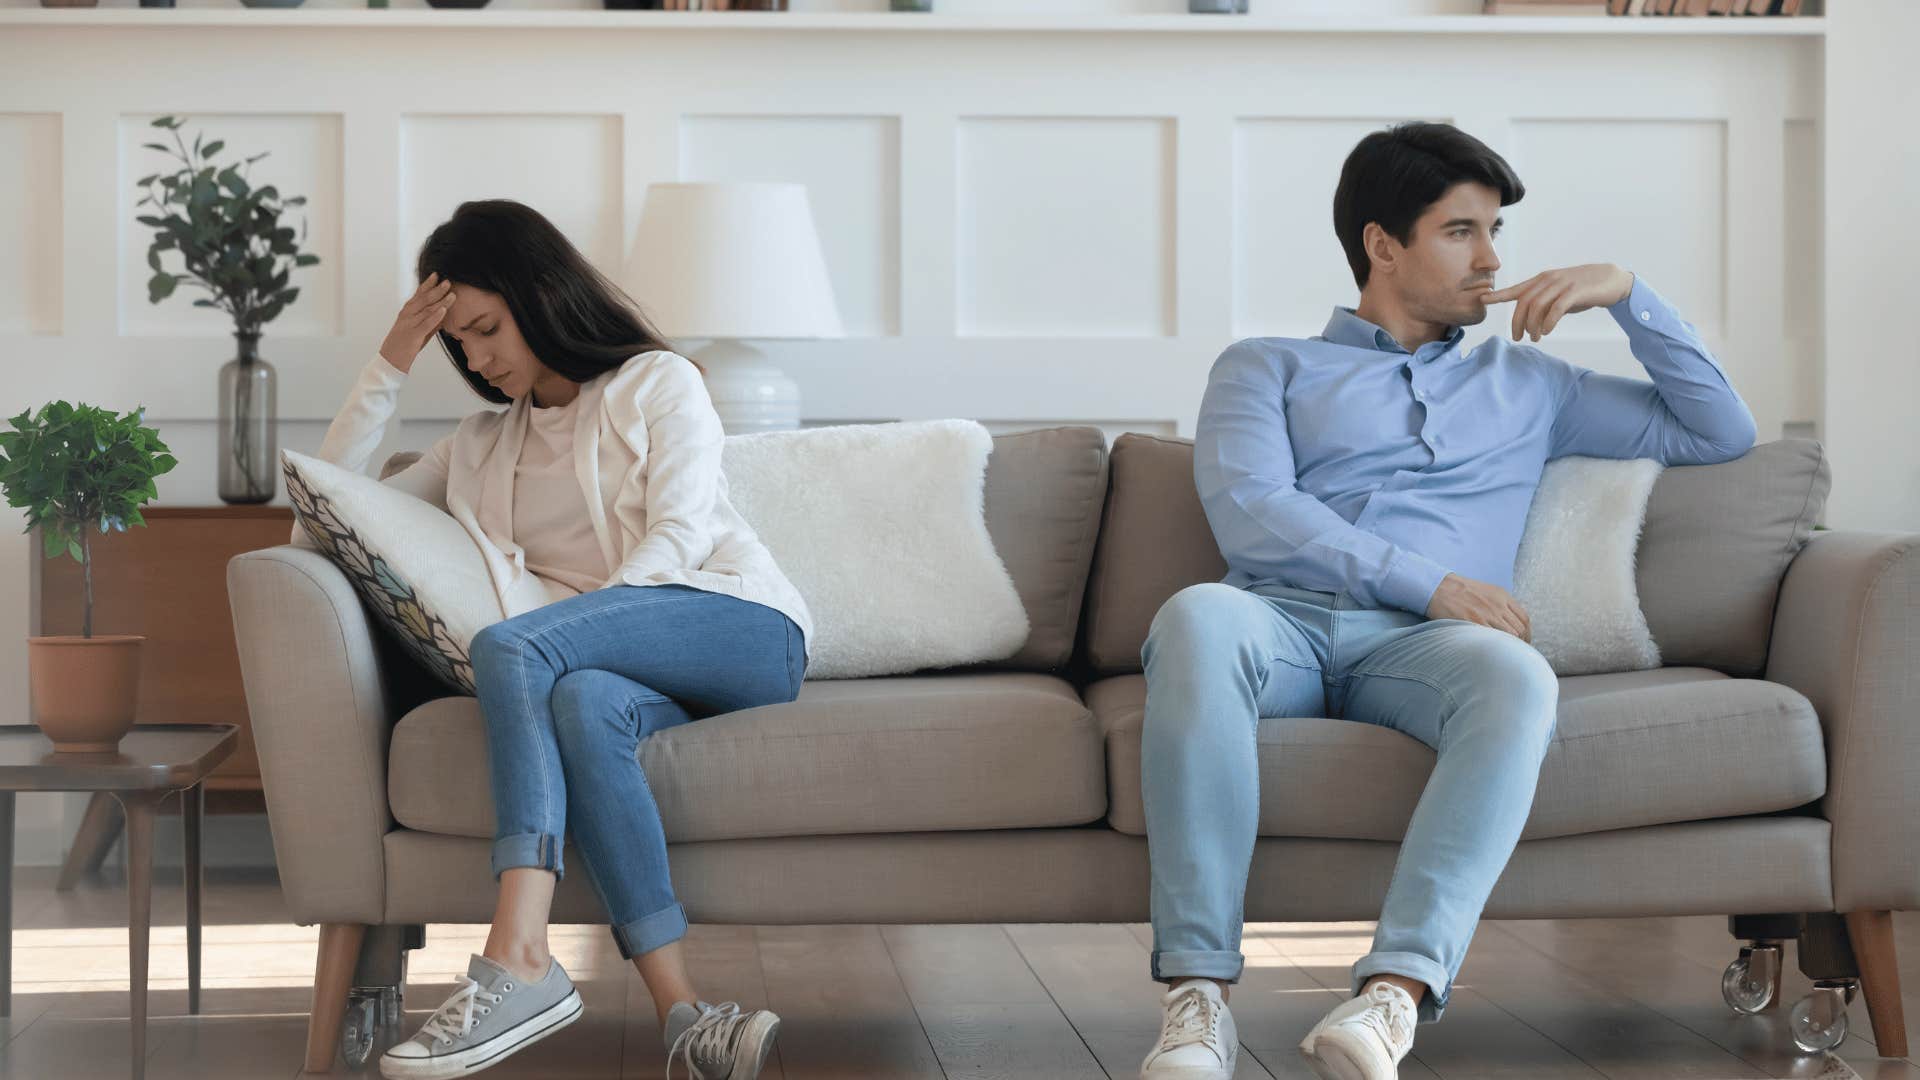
(985, 1012)
(1620, 1037)
(80, 1048)
(843, 1010)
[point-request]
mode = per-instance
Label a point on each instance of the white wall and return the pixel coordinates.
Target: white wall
(1872, 380)
(1022, 227)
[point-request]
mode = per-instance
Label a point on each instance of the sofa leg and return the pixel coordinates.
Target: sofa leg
(332, 977)
(1873, 950)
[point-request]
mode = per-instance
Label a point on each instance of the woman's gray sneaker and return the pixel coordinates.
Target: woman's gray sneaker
(719, 1042)
(484, 1022)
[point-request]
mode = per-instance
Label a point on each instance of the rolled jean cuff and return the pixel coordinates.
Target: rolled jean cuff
(1410, 966)
(538, 851)
(1174, 966)
(649, 932)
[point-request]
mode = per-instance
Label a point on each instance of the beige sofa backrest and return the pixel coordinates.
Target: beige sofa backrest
(1717, 542)
(1044, 490)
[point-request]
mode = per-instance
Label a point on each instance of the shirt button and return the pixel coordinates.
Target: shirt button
(1646, 315)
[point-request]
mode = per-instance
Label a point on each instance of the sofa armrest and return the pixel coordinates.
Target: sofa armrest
(1847, 635)
(322, 716)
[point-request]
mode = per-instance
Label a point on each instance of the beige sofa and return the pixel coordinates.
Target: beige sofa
(1770, 768)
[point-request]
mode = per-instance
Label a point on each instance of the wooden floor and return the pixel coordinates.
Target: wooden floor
(1635, 999)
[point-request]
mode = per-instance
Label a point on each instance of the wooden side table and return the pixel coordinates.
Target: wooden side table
(153, 762)
(167, 581)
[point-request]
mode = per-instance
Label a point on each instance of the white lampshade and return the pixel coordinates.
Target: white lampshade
(720, 261)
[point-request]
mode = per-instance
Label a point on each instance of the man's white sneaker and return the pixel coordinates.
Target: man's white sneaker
(1197, 1039)
(1365, 1037)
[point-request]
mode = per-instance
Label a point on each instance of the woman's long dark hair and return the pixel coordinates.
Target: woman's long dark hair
(575, 320)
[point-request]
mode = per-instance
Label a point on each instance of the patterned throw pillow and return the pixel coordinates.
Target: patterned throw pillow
(417, 570)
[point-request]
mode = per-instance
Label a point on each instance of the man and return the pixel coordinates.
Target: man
(1368, 488)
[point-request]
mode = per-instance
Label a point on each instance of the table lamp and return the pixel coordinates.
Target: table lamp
(729, 264)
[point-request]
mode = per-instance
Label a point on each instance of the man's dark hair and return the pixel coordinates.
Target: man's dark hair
(575, 320)
(1393, 175)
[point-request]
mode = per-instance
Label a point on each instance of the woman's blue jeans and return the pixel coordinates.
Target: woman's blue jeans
(1220, 658)
(569, 690)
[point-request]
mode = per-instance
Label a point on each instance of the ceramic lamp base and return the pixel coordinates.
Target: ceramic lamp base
(748, 391)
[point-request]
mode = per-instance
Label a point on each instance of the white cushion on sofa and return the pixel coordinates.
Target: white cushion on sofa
(413, 564)
(1575, 569)
(882, 528)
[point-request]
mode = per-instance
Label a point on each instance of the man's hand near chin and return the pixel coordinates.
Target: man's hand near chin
(1479, 602)
(1543, 299)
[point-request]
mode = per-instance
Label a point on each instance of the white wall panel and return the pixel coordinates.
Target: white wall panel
(30, 197)
(1065, 227)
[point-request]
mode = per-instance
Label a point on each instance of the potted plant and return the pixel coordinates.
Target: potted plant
(228, 234)
(77, 469)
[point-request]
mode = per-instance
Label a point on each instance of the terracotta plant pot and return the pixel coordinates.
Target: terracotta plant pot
(83, 690)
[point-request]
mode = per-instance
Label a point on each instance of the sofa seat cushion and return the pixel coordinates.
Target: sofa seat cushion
(1630, 748)
(919, 753)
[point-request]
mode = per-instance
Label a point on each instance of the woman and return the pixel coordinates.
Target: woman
(637, 599)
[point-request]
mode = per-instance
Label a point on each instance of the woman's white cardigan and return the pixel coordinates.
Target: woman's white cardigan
(646, 452)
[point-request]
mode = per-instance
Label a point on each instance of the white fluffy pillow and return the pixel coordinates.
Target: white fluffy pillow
(1575, 569)
(882, 528)
(413, 564)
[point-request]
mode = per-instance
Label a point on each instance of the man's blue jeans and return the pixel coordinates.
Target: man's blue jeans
(1219, 658)
(569, 690)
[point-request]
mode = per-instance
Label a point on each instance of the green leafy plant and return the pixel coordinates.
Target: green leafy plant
(226, 231)
(228, 235)
(77, 468)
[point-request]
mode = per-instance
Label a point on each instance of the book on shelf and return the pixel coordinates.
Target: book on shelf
(1647, 7)
(1544, 7)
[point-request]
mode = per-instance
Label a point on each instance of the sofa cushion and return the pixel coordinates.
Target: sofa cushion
(1631, 748)
(920, 753)
(1715, 547)
(1154, 541)
(1044, 491)
(414, 566)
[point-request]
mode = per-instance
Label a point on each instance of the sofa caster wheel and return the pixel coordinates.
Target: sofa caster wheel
(1819, 1020)
(372, 1020)
(1748, 982)
(357, 1031)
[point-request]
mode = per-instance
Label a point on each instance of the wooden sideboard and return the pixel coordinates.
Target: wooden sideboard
(168, 581)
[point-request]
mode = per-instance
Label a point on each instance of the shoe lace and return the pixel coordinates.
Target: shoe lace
(454, 1018)
(710, 1039)
(1192, 1018)
(1388, 1018)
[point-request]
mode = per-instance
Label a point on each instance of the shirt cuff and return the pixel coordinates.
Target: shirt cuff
(388, 372)
(1411, 581)
(1645, 309)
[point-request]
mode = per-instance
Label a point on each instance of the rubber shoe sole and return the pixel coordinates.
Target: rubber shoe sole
(489, 1053)
(755, 1044)
(1336, 1061)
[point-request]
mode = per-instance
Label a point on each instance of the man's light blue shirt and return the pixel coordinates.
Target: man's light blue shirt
(1344, 463)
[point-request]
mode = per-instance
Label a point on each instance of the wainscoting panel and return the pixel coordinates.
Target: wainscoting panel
(29, 224)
